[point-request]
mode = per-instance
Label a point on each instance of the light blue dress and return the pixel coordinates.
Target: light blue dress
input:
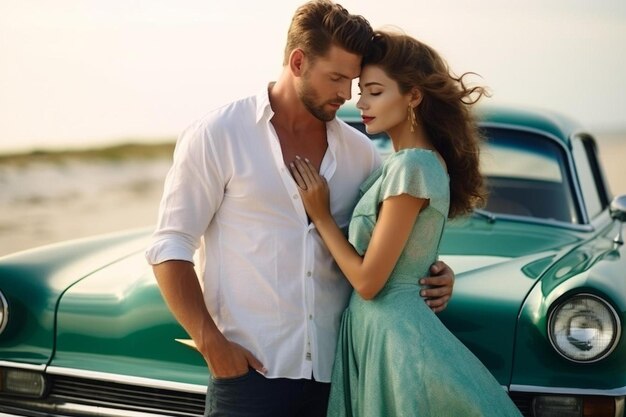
(394, 356)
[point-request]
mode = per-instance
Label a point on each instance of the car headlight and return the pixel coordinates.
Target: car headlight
(4, 312)
(22, 382)
(584, 328)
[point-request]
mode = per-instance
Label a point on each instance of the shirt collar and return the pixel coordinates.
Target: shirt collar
(264, 112)
(263, 107)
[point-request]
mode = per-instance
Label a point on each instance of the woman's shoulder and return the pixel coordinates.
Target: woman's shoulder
(415, 168)
(414, 159)
(417, 172)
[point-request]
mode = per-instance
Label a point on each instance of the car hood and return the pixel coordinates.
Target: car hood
(33, 282)
(116, 322)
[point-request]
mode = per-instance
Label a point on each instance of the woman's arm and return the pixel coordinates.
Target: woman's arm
(397, 215)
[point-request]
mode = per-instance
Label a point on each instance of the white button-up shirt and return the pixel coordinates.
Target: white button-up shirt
(269, 282)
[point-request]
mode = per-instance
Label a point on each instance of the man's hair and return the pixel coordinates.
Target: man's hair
(318, 24)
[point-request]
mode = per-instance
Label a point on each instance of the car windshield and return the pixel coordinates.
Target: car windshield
(526, 174)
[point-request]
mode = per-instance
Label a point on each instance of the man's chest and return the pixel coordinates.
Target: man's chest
(311, 145)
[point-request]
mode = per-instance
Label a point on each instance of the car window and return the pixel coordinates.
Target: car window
(519, 160)
(589, 179)
(527, 175)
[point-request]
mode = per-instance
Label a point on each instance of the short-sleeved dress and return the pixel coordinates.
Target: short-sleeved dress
(394, 356)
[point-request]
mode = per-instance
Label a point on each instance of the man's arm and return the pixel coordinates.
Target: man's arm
(182, 293)
(441, 283)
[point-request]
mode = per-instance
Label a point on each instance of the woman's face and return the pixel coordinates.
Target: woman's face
(382, 106)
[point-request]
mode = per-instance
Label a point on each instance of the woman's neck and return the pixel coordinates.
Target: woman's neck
(402, 137)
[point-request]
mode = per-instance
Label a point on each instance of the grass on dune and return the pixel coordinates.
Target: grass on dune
(121, 152)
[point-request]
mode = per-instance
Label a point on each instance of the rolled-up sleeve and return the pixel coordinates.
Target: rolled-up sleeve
(194, 189)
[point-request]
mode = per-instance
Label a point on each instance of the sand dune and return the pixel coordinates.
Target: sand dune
(50, 202)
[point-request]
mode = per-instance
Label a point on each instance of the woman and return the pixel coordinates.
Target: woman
(395, 358)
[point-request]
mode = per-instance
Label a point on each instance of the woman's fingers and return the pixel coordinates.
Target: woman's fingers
(305, 174)
(305, 171)
(296, 175)
(313, 171)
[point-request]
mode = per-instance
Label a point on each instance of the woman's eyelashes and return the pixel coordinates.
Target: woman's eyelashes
(371, 93)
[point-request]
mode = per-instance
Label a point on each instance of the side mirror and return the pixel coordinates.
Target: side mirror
(618, 212)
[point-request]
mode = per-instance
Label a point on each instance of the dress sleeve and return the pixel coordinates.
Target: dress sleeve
(419, 174)
(406, 173)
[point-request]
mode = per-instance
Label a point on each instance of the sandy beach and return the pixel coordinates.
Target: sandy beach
(46, 200)
(51, 201)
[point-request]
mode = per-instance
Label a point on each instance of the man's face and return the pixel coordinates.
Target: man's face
(326, 83)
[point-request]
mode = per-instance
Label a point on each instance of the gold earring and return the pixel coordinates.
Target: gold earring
(412, 119)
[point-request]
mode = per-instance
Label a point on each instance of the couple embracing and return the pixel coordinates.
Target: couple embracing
(292, 317)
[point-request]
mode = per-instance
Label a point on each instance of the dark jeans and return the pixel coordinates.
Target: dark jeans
(253, 395)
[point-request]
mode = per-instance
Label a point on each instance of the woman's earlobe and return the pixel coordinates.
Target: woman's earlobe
(416, 98)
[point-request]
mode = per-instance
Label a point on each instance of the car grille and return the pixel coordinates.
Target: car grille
(71, 396)
(133, 397)
(112, 395)
(523, 401)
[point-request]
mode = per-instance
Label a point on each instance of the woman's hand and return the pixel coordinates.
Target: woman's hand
(313, 189)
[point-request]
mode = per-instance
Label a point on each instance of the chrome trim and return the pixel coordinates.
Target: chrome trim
(577, 187)
(4, 305)
(126, 379)
(30, 367)
(616, 317)
(59, 409)
(11, 415)
(602, 220)
(563, 390)
(536, 220)
(525, 129)
(87, 410)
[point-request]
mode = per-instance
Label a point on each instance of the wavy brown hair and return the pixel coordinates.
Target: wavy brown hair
(318, 24)
(444, 110)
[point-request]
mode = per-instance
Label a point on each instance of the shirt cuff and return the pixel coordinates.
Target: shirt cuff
(173, 248)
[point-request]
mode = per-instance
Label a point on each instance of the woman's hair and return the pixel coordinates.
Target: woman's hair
(444, 110)
(318, 24)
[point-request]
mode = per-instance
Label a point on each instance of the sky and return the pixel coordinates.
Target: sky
(87, 73)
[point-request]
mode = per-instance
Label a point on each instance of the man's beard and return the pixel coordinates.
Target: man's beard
(309, 98)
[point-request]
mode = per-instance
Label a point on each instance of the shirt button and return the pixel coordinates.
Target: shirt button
(310, 316)
(308, 274)
(295, 196)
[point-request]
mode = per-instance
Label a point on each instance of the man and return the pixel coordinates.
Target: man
(267, 316)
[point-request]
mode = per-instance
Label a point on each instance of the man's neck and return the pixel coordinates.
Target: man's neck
(289, 112)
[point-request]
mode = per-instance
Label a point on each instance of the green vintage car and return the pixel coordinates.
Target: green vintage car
(540, 295)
